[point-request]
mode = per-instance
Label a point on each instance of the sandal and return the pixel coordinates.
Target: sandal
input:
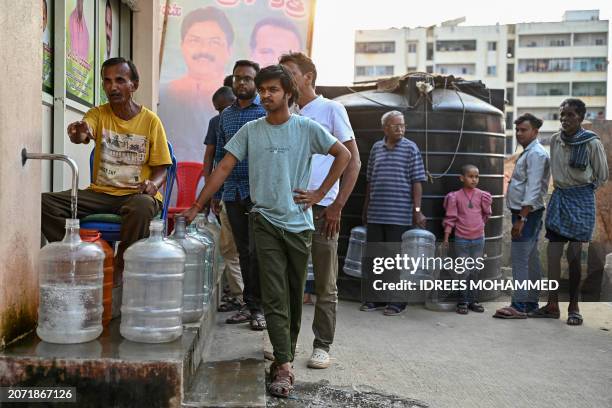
(476, 307)
(394, 310)
(509, 312)
(544, 313)
(372, 306)
(281, 381)
(462, 308)
(230, 305)
(242, 316)
(258, 321)
(574, 319)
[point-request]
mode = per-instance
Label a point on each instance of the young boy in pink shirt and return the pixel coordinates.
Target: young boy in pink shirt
(467, 211)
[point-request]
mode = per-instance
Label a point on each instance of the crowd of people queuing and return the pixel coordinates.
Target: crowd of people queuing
(273, 160)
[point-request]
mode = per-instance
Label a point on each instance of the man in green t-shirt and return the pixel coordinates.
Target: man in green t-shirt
(280, 147)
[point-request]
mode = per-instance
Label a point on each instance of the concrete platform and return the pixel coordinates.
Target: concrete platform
(112, 371)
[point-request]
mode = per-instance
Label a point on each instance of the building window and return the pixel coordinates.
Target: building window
(509, 120)
(544, 89)
(374, 70)
(510, 49)
(456, 45)
(510, 73)
(589, 64)
(412, 47)
(509, 145)
(590, 39)
(545, 40)
(510, 96)
(492, 45)
(542, 113)
(596, 114)
(456, 69)
(589, 89)
(430, 51)
(492, 70)
(544, 65)
(429, 69)
(411, 69)
(375, 47)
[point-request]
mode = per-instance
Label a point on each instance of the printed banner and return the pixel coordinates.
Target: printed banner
(108, 26)
(203, 39)
(47, 42)
(80, 50)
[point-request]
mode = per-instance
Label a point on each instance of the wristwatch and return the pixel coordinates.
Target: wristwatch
(417, 209)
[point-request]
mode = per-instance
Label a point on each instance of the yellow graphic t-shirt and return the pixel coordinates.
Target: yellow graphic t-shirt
(126, 150)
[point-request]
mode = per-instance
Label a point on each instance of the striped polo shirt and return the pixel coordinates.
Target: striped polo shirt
(391, 173)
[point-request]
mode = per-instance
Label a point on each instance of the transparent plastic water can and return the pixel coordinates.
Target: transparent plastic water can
(152, 299)
(70, 289)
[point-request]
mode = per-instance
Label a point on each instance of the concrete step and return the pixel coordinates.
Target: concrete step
(113, 371)
(233, 371)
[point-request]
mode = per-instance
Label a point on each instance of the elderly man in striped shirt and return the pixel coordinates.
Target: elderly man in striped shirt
(393, 192)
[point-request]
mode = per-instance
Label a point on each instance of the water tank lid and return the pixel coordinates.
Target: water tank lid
(448, 100)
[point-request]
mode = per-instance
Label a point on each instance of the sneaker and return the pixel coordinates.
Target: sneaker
(319, 359)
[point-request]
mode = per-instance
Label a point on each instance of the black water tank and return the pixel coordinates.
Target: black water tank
(459, 129)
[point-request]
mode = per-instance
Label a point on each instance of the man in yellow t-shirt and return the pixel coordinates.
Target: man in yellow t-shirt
(130, 162)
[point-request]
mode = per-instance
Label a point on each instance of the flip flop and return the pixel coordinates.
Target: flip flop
(509, 312)
(574, 319)
(241, 316)
(544, 313)
(394, 310)
(258, 321)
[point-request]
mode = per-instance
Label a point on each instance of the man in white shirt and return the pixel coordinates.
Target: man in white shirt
(333, 117)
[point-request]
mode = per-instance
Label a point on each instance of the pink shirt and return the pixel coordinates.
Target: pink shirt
(468, 222)
(79, 36)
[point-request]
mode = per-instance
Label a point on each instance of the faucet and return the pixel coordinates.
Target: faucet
(25, 156)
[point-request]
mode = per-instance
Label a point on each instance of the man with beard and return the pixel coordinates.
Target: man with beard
(235, 192)
(185, 104)
(578, 166)
(280, 147)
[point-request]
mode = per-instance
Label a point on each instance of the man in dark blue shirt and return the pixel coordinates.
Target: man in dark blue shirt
(221, 99)
(235, 191)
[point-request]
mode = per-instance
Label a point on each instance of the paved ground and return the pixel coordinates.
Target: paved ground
(440, 359)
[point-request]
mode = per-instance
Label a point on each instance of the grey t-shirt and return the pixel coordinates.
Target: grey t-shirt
(279, 162)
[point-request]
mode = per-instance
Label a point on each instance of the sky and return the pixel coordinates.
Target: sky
(337, 20)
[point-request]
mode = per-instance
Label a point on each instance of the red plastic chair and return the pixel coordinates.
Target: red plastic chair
(188, 175)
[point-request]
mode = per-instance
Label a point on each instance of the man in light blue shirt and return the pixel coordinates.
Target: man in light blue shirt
(525, 199)
(280, 147)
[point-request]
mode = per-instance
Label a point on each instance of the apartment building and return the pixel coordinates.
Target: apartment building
(538, 64)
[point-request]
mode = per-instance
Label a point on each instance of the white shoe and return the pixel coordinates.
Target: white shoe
(319, 359)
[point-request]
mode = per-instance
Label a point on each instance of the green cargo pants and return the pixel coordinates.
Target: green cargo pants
(283, 259)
